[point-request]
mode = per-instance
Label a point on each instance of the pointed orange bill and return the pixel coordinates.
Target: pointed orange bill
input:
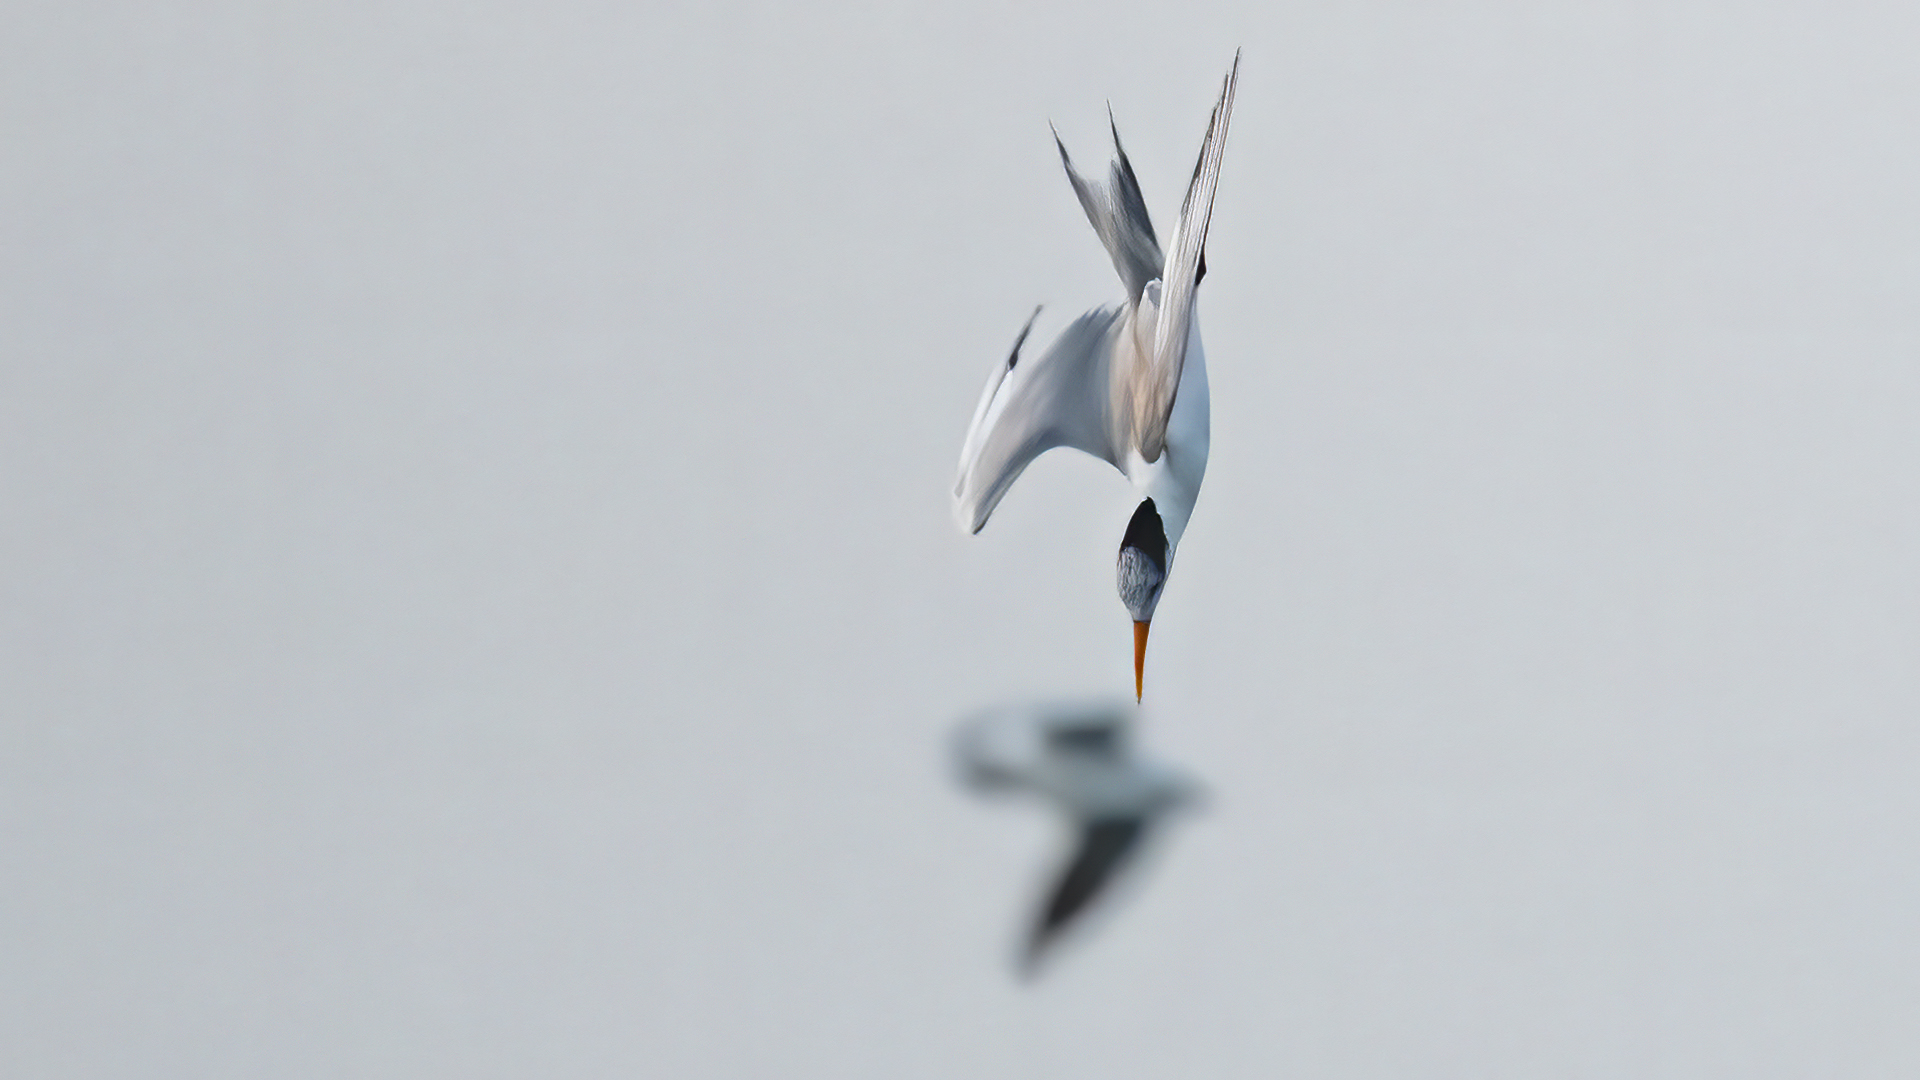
(1140, 657)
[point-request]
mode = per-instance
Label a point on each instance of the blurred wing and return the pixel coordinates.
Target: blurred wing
(1159, 379)
(1105, 846)
(981, 759)
(1119, 215)
(1059, 398)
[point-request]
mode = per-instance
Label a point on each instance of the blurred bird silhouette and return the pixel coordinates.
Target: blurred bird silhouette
(1078, 757)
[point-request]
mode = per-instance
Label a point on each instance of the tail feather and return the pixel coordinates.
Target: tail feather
(1118, 214)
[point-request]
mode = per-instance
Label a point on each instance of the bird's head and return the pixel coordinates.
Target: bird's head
(1139, 574)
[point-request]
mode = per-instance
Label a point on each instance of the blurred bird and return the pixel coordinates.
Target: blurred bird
(1079, 758)
(1126, 384)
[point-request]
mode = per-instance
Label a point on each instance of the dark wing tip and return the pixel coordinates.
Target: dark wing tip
(1013, 356)
(1105, 845)
(1036, 949)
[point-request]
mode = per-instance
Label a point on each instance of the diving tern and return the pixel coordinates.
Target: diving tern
(1127, 384)
(1079, 757)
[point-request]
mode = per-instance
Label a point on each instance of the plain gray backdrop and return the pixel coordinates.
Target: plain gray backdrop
(478, 594)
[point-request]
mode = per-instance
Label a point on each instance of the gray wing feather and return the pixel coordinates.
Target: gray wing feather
(1153, 398)
(1059, 398)
(1118, 214)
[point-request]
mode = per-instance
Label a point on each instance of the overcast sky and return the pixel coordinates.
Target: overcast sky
(478, 594)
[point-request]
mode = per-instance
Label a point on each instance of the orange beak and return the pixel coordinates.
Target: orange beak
(1140, 658)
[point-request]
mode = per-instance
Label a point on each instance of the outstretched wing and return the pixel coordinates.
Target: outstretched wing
(1105, 846)
(1159, 379)
(1030, 406)
(1119, 215)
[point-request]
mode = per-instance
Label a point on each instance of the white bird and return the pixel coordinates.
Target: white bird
(1127, 384)
(1079, 758)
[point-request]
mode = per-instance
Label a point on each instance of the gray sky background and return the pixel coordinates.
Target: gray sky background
(478, 595)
